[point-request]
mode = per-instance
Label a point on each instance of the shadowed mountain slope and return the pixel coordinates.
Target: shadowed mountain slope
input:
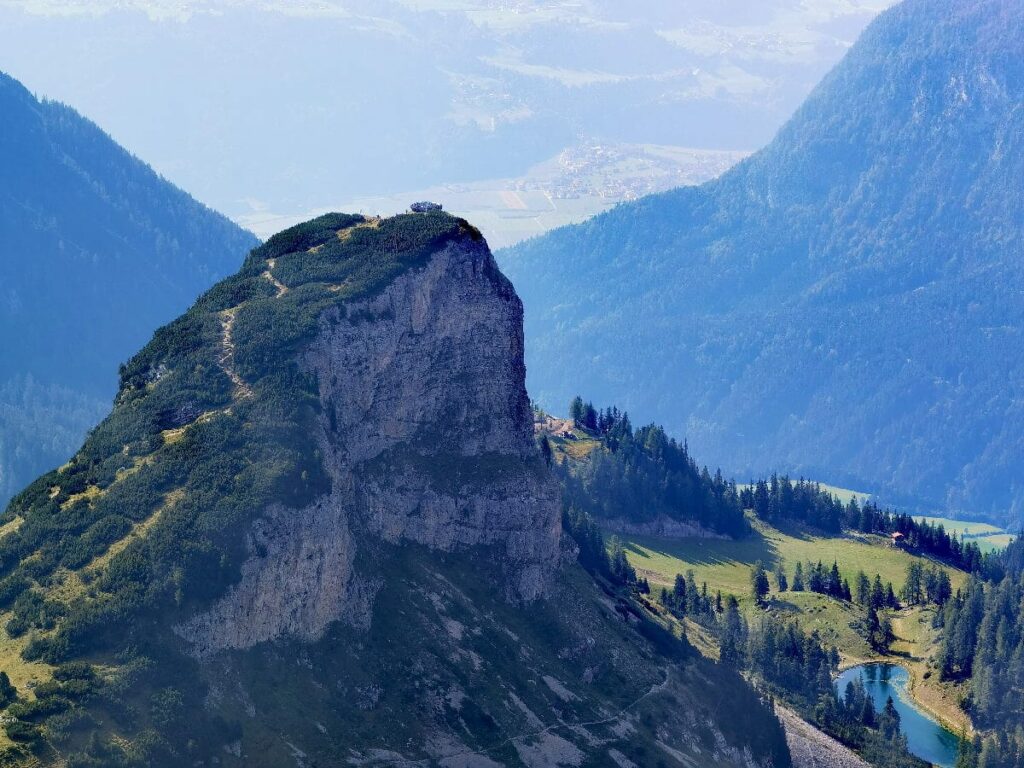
(96, 252)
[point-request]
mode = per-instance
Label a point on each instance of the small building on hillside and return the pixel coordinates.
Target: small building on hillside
(897, 539)
(425, 206)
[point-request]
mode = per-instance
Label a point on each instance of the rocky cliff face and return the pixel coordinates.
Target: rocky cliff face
(426, 433)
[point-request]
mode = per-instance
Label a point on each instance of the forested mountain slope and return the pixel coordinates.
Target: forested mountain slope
(316, 524)
(96, 251)
(845, 304)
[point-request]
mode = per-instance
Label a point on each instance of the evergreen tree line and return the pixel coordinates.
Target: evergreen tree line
(871, 595)
(779, 499)
(598, 558)
(685, 599)
(795, 666)
(983, 643)
(926, 584)
(643, 475)
(817, 577)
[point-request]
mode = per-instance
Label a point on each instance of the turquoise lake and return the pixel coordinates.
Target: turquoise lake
(925, 737)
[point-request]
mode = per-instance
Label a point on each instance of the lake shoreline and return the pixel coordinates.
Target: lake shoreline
(917, 680)
(930, 736)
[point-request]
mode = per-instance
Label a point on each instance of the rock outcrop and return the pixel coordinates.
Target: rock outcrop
(426, 434)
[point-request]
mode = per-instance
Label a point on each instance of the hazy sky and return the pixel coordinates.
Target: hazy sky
(286, 107)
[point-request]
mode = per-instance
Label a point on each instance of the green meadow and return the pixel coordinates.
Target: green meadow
(725, 565)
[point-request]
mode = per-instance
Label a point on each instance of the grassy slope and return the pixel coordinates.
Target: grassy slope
(725, 564)
(562, 447)
(845, 494)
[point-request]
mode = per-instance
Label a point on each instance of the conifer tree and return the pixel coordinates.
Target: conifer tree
(576, 411)
(734, 633)
(780, 577)
(798, 577)
(759, 585)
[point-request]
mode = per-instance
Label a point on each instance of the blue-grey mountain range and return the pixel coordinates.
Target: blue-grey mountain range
(96, 252)
(848, 303)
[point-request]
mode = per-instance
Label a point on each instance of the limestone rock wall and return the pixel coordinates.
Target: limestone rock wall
(426, 434)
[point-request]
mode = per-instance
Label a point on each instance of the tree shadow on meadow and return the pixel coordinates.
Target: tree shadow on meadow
(705, 551)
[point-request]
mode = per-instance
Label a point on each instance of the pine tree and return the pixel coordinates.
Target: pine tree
(863, 588)
(679, 593)
(734, 633)
(576, 411)
(798, 577)
(780, 577)
(890, 597)
(621, 571)
(877, 593)
(692, 595)
(816, 577)
(872, 627)
(759, 585)
(911, 592)
(835, 584)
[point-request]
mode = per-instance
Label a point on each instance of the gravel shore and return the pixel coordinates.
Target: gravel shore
(811, 748)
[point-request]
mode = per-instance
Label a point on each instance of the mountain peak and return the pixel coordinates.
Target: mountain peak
(358, 384)
(330, 459)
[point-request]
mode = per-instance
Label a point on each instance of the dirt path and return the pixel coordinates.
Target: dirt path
(939, 700)
(226, 359)
(282, 289)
